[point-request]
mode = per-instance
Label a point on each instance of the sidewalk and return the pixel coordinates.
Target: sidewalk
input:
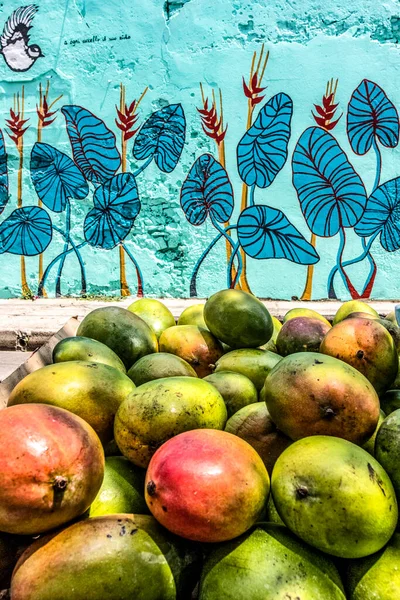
(26, 324)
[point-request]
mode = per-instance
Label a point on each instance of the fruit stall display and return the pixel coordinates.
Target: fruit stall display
(227, 456)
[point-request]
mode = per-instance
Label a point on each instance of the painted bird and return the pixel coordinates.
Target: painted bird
(15, 48)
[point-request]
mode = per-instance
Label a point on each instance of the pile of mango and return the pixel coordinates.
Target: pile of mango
(226, 457)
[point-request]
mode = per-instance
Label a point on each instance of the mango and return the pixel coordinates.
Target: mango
(390, 401)
(301, 334)
(93, 391)
(51, 468)
(207, 485)
(122, 490)
(387, 448)
(293, 313)
(154, 313)
(127, 334)
(271, 345)
(269, 563)
(369, 446)
(238, 319)
(335, 496)
(83, 348)
(118, 556)
(193, 315)
(376, 577)
(254, 363)
(353, 306)
(253, 424)
(158, 366)
(236, 389)
(362, 315)
(367, 346)
(161, 409)
(312, 394)
(195, 345)
(391, 317)
(272, 515)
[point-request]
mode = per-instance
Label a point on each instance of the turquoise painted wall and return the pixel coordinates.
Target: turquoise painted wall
(91, 48)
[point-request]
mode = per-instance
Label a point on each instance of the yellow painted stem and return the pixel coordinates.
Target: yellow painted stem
(123, 282)
(307, 293)
(26, 291)
(243, 277)
(122, 273)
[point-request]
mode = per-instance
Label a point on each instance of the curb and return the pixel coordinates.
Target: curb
(26, 325)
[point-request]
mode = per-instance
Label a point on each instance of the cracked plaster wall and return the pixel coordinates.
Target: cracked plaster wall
(172, 46)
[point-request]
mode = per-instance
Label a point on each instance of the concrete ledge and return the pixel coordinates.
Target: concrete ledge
(27, 324)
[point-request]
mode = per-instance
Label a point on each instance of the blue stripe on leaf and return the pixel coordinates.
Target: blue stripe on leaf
(56, 177)
(27, 231)
(382, 214)
(207, 190)
(4, 195)
(162, 137)
(116, 205)
(371, 114)
(265, 232)
(262, 151)
(93, 144)
(330, 192)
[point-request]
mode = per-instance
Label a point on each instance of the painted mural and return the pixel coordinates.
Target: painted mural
(77, 188)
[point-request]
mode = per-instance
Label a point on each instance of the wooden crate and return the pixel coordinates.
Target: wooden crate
(38, 359)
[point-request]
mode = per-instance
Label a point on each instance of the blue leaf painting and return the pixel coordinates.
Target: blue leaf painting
(207, 190)
(162, 137)
(93, 144)
(265, 232)
(371, 114)
(4, 195)
(56, 177)
(330, 192)
(27, 231)
(116, 205)
(262, 151)
(382, 214)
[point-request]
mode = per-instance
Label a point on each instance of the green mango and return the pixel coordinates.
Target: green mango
(163, 408)
(122, 490)
(390, 401)
(269, 563)
(124, 332)
(238, 319)
(353, 306)
(193, 315)
(236, 389)
(154, 313)
(370, 445)
(253, 424)
(293, 313)
(93, 391)
(254, 363)
(387, 448)
(118, 556)
(376, 577)
(271, 345)
(272, 514)
(336, 497)
(158, 366)
(83, 348)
